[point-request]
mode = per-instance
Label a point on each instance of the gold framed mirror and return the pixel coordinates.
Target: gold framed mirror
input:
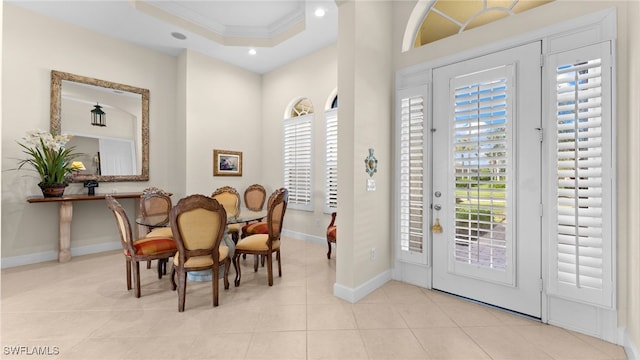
(115, 148)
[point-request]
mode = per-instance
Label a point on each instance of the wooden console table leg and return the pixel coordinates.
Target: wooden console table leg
(66, 213)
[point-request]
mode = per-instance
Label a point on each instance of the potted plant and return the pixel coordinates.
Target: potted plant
(49, 156)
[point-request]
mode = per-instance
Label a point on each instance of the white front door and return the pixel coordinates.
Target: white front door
(487, 179)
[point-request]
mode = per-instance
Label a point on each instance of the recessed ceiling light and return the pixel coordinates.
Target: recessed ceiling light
(179, 36)
(252, 51)
(320, 12)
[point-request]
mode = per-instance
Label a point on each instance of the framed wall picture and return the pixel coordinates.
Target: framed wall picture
(227, 163)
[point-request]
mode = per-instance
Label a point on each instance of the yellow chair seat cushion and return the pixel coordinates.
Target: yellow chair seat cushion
(160, 232)
(153, 245)
(202, 261)
(234, 227)
(257, 242)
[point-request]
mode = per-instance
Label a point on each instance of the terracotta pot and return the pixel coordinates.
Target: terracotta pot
(53, 190)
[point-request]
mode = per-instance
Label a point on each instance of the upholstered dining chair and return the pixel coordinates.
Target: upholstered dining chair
(198, 223)
(266, 244)
(253, 228)
(155, 201)
(332, 229)
(143, 249)
(230, 199)
(254, 197)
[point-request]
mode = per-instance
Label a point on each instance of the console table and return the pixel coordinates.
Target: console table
(66, 214)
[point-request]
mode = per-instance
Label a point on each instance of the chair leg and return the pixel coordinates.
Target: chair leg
(136, 277)
(255, 263)
(270, 269)
(329, 246)
(227, 265)
(236, 264)
(128, 274)
(182, 289)
(214, 283)
(161, 263)
(279, 266)
(173, 279)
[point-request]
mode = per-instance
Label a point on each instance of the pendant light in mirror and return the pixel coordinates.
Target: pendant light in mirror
(98, 117)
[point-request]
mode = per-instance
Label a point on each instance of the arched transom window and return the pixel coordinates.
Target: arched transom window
(302, 107)
(449, 17)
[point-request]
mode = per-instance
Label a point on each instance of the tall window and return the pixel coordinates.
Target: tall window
(482, 158)
(331, 158)
(412, 167)
(581, 222)
(297, 155)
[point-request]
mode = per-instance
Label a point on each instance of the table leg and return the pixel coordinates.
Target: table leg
(66, 213)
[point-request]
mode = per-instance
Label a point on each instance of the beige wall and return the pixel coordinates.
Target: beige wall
(222, 111)
(365, 121)
(314, 77)
(33, 46)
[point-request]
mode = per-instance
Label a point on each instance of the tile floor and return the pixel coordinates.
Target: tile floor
(82, 310)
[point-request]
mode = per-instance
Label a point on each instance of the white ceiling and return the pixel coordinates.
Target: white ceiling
(280, 30)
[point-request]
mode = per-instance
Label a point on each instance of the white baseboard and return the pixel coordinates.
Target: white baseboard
(44, 256)
(302, 236)
(354, 295)
(346, 293)
(629, 347)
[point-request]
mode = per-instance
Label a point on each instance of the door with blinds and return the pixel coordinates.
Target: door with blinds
(486, 193)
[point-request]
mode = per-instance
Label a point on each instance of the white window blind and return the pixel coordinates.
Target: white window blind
(411, 167)
(297, 155)
(482, 158)
(581, 235)
(331, 161)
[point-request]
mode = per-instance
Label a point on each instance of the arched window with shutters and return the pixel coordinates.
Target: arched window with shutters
(298, 154)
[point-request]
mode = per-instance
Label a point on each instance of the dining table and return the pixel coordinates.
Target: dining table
(244, 216)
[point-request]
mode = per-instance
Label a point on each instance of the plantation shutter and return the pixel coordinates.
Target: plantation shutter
(581, 197)
(331, 161)
(297, 161)
(482, 157)
(412, 207)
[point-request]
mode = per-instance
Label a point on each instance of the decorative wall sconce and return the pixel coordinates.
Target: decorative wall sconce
(98, 117)
(371, 163)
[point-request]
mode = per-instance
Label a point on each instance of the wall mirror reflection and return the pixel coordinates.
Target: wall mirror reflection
(109, 123)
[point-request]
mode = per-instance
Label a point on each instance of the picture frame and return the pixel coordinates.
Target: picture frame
(227, 163)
